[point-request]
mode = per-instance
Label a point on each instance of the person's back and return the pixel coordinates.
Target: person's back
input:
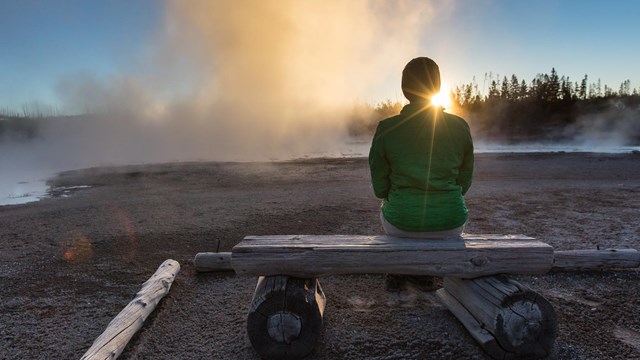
(421, 161)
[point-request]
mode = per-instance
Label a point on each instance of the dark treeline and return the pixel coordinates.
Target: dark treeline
(364, 118)
(544, 87)
(23, 125)
(17, 127)
(549, 108)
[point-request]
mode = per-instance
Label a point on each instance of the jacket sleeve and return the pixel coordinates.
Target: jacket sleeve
(465, 174)
(379, 166)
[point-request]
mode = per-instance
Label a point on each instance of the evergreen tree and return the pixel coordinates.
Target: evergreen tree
(494, 93)
(468, 98)
(540, 87)
(608, 91)
(565, 89)
(592, 91)
(625, 88)
(582, 93)
(504, 89)
(553, 88)
(523, 92)
(514, 88)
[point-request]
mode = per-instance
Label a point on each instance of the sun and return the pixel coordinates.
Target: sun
(443, 98)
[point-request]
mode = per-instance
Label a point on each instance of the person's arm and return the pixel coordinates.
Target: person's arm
(465, 174)
(379, 167)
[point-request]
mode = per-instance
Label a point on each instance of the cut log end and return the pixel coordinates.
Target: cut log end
(523, 322)
(284, 327)
(506, 318)
(527, 326)
(285, 318)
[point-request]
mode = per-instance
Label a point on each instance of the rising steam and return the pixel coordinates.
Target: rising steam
(245, 80)
(613, 123)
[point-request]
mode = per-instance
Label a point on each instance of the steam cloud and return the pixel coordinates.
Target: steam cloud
(616, 123)
(242, 80)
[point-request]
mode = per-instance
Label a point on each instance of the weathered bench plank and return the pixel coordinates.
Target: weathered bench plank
(314, 255)
(596, 259)
(213, 261)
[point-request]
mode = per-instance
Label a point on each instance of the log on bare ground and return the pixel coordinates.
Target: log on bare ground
(111, 343)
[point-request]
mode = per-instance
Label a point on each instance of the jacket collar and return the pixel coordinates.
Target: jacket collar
(417, 107)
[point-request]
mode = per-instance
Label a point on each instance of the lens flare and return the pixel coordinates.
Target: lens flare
(131, 248)
(77, 247)
(443, 98)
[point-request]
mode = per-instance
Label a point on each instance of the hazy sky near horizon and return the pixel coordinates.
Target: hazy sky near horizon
(44, 43)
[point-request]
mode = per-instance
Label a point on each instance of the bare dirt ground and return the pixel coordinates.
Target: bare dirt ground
(69, 265)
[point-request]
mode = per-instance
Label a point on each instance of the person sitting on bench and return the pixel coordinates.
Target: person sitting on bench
(421, 162)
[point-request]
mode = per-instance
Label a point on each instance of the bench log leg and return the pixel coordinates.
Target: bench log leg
(285, 318)
(509, 320)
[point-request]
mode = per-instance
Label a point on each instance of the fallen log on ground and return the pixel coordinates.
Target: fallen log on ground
(111, 343)
(507, 319)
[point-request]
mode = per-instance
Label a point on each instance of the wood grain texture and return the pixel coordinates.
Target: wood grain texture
(212, 261)
(522, 322)
(564, 260)
(111, 343)
(484, 338)
(314, 255)
(596, 259)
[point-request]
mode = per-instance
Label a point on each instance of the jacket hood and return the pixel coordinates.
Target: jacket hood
(420, 79)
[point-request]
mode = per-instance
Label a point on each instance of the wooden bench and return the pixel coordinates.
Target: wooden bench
(507, 319)
(315, 255)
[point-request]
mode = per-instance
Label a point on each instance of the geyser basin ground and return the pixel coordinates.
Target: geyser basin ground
(68, 266)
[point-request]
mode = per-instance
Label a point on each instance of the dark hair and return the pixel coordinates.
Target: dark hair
(420, 79)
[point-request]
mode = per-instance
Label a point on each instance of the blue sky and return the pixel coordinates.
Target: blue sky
(578, 37)
(42, 42)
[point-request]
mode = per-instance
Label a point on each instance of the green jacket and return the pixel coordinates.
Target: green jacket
(421, 164)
